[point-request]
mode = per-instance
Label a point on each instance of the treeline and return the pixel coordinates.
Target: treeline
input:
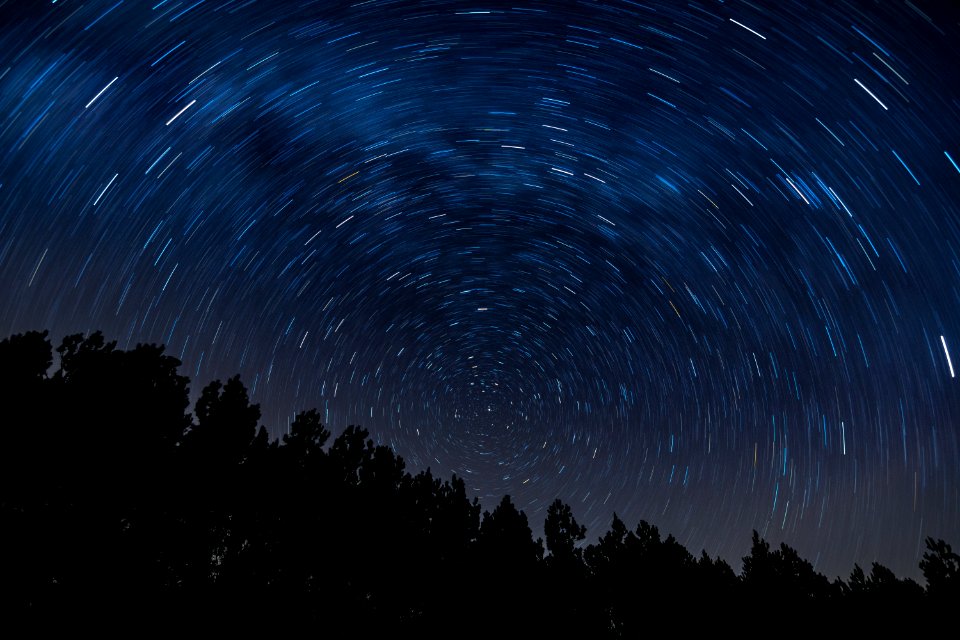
(118, 502)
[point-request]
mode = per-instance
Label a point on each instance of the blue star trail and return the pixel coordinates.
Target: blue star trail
(696, 263)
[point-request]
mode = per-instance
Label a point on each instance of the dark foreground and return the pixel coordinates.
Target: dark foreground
(119, 506)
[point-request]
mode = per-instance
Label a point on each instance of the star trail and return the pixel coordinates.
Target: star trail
(696, 263)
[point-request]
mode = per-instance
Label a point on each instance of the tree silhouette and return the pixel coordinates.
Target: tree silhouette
(941, 568)
(226, 424)
(614, 577)
(563, 534)
(782, 574)
(303, 446)
(882, 586)
(505, 537)
(30, 499)
(569, 604)
(507, 561)
(117, 501)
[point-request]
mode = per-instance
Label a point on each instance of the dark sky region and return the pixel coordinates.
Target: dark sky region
(696, 263)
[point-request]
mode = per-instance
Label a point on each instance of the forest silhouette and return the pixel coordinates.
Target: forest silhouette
(119, 503)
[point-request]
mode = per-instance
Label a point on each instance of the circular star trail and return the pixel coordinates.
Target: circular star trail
(695, 263)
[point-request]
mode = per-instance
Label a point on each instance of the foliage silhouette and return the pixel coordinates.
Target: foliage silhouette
(941, 568)
(781, 573)
(117, 501)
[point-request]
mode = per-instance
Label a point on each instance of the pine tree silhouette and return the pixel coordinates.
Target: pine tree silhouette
(119, 503)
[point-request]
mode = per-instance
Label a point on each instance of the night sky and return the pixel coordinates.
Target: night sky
(696, 263)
